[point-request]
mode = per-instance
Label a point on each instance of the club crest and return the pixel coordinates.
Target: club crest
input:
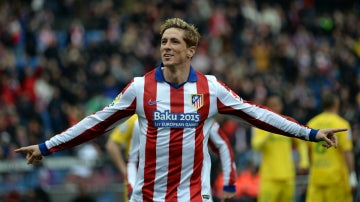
(197, 100)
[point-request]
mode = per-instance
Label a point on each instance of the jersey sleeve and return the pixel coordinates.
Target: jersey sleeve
(228, 102)
(220, 141)
(133, 158)
(94, 125)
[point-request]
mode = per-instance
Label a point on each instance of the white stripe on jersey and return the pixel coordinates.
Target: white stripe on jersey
(206, 169)
(188, 147)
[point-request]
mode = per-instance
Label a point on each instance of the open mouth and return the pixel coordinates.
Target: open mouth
(167, 55)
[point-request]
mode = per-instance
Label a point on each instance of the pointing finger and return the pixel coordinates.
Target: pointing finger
(21, 150)
(338, 130)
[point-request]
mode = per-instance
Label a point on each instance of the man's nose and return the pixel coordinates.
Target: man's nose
(167, 45)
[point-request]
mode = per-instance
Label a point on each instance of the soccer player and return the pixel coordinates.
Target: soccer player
(277, 168)
(123, 137)
(176, 106)
(332, 176)
(126, 135)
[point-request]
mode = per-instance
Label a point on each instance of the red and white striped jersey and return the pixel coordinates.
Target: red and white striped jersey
(218, 142)
(175, 121)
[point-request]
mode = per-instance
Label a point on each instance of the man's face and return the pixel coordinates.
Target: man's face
(173, 48)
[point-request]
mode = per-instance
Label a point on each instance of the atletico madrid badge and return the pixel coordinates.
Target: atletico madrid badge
(197, 100)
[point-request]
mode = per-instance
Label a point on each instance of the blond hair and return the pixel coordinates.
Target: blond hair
(191, 34)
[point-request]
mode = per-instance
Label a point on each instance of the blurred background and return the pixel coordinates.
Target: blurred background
(61, 60)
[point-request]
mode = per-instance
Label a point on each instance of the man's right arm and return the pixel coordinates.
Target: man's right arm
(92, 126)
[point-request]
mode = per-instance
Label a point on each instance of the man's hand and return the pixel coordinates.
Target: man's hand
(328, 135)
(33, 154)
(227, 195)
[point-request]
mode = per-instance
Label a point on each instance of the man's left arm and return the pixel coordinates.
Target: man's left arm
(228, 102)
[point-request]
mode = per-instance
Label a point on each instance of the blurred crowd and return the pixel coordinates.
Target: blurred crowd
(61, 60)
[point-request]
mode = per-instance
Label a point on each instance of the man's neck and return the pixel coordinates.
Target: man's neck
(176, 75)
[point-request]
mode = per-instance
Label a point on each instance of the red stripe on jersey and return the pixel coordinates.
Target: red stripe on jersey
(96, 130)
(233, 171)
(175, 146)
(195, 181)
(150, 92)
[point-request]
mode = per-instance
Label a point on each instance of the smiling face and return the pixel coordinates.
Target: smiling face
(174, 50)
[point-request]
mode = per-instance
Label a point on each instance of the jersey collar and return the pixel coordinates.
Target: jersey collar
(159, 76)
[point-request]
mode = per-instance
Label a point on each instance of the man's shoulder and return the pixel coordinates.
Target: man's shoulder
(328, 118)
(334, 117)
(141, 78)
(209, 77)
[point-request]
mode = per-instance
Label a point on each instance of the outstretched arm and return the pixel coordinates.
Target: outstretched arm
(90, 127)
(228, 102)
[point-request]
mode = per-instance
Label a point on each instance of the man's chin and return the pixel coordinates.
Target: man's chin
(168, 63)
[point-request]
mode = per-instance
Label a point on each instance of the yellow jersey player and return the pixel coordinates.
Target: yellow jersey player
(277, 168)
(122, 136)
(332, 175)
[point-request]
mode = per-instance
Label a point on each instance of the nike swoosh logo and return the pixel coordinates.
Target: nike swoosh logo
(153, 102)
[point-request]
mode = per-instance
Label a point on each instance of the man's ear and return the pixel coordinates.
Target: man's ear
(191, 51)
